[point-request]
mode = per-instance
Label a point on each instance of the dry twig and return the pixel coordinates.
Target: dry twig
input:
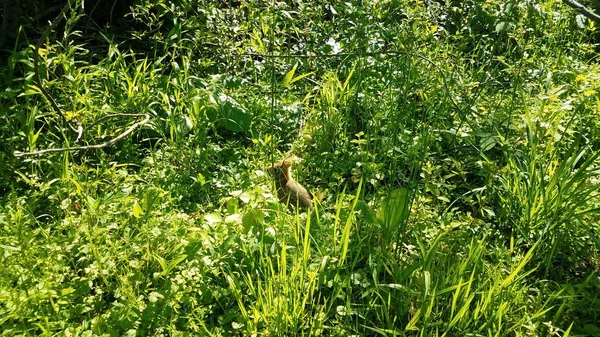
(89, 147)
(583, 10)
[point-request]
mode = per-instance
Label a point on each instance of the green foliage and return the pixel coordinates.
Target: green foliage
(451, 147)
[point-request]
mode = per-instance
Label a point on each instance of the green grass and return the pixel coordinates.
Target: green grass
(452, 150)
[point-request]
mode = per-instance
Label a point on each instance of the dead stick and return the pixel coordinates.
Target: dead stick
(583, 10)
(87, 147)
(103, 118)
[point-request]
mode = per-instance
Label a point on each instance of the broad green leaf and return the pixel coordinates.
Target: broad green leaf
(213, 218)
(137, 210)
(487, 143)
(67, 291)
(232, 116)
(299, 77)
(201, 179)
(288, 77)
(252, 219)
(233, 218)
(501, 26)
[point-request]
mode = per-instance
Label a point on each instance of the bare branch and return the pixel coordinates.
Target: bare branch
(583, 10)
(81, 131)
(103, 118)
(88, 147)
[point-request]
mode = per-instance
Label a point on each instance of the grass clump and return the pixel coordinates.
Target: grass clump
(451, 150)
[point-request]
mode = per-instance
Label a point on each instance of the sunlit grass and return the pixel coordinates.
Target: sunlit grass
(455, 175)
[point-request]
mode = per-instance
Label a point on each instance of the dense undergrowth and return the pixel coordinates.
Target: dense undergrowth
(452, 147)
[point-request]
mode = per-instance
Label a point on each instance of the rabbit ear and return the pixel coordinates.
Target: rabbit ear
(287, 161)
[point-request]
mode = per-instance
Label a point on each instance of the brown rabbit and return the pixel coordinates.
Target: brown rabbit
(289, 190)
